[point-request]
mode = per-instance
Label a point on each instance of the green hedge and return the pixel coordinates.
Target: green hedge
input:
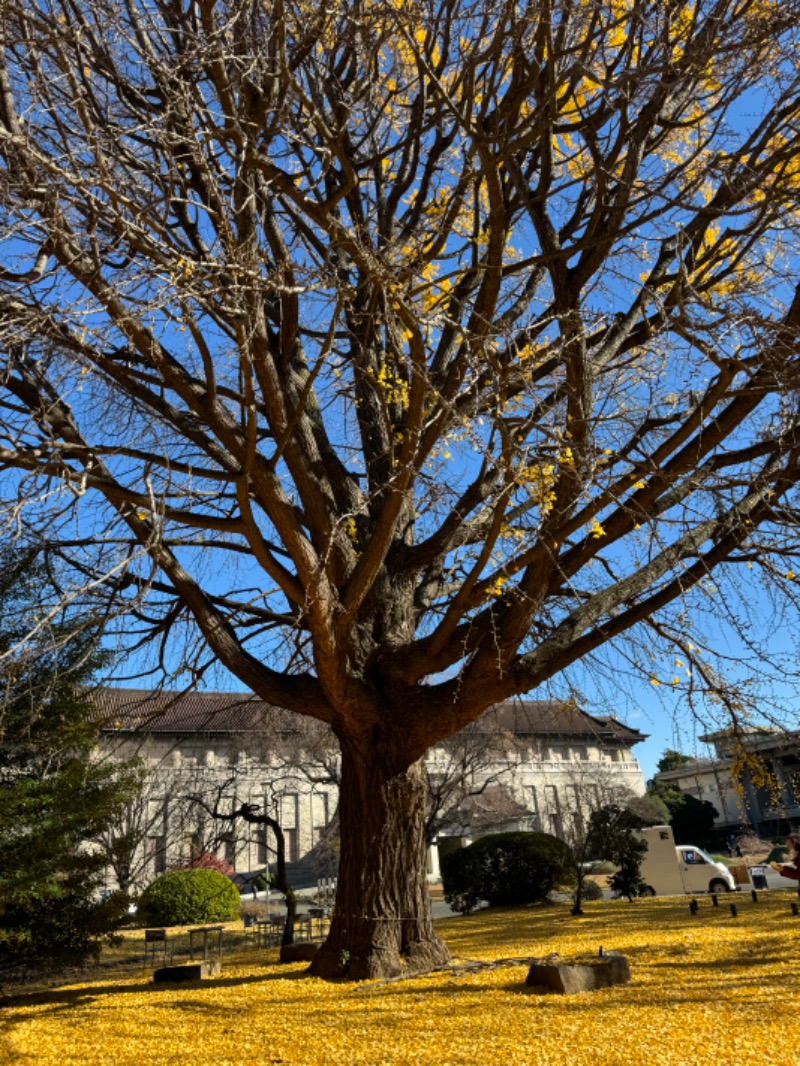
(506, 868)
(189, 897)
(591, 891)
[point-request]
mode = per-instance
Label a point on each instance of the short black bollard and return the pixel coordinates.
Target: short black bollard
(693, 906)
(715, 899)
(754, 896)
(734, 911)
(795, 909)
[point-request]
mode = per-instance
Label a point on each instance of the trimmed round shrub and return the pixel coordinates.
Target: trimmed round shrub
(506, 868)
(591, 890)
(189, 897)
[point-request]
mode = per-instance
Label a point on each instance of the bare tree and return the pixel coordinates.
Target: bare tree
(403, 354)
(589, 787)
(129, 844)
(158, 827)
(467, 782)
(221, 810)
(207, 771)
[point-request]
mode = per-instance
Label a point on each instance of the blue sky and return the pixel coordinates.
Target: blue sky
(619, 685)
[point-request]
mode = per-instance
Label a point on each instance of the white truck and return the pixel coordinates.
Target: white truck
(671, 870)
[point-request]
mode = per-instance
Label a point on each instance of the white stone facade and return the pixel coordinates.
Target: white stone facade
(527, 765)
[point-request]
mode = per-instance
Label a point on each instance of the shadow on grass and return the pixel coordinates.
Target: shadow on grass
(495, 931)
(68, 998)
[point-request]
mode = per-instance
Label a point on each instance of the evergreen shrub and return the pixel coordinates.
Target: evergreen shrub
(189, 897)
(506, 868)
(591, 891)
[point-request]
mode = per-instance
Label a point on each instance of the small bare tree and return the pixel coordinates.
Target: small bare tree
(125, 844)
(590, 787)
(467, 781)
(222, 810)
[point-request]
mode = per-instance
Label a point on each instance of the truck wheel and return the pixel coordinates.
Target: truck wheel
(648, 890)
(718, 886)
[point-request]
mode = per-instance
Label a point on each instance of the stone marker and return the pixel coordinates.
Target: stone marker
(298, 952)
(580, 974)
(194, 971)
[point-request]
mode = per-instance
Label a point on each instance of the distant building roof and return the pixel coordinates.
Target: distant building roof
(156, 711)
(758, 738)
(562, 718)
(735, 732)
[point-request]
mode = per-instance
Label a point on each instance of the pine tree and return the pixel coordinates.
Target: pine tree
(55, 796)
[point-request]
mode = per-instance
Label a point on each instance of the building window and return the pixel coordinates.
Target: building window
(555, 820)
(319, 814)
(229, 846)
(288, 804)
(157, 847)
(533, 806)
(196, 843)
(292, 845)
(261, 846)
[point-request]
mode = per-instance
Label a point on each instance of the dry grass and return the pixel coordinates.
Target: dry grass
(707, 990)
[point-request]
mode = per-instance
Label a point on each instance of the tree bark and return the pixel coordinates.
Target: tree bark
(381, 924)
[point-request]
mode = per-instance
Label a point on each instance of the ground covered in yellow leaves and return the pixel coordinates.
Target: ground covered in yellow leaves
(710, 989)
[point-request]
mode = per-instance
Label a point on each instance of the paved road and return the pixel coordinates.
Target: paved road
(441, 910)
(774, 880)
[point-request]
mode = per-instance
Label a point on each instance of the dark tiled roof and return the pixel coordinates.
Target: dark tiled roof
(154, 711)
(149, 711)
(556, 718)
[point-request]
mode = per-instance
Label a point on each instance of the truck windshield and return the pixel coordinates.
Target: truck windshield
(694, 857)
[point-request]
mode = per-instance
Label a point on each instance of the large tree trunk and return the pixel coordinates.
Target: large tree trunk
(381, 923)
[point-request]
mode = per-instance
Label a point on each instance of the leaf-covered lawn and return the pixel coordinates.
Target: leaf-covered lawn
(707, 990)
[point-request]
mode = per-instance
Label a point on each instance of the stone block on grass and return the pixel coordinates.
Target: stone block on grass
(193, 971)
(582, 974)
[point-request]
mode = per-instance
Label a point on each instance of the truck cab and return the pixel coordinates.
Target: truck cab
(701, 873)
(669, 869)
